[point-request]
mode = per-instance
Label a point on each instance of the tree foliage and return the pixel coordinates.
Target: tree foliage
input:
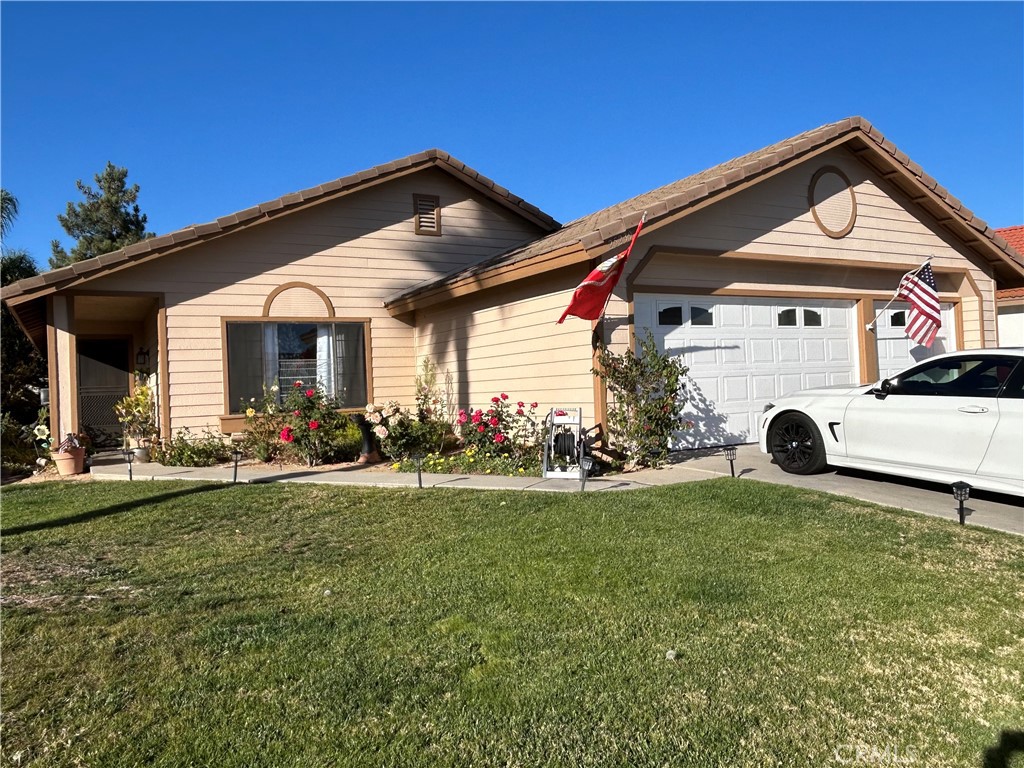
(8, 211)
(21, 366)
(647, 394)
(106, 220)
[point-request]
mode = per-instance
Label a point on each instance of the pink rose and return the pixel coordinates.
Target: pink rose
(286, 435)
(499, 438)
(463, 418)
(481, 428)
(310, 392)
(295, 413)
(314, 424)
(477, 417)
(493, 422)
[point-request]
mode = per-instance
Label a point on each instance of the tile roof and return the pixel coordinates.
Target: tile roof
(197, 233)
(611, 226)
(1015, 237)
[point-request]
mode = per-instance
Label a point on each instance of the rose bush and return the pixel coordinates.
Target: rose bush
(309, 423)
(504, 428)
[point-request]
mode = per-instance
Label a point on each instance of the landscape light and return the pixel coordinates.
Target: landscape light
(129, 457)
(961, 492)
(236, 454)
(730, 454)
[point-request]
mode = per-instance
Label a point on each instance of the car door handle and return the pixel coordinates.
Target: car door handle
(972, 409)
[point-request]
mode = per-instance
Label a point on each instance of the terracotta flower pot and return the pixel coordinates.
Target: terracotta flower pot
(69, 462)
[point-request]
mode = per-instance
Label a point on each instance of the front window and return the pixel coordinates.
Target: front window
(980, 376)
(330, 354)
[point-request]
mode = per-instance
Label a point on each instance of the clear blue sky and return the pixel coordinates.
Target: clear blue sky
(215, 107)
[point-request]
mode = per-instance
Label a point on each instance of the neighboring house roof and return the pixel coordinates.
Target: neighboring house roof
(48, 282)
(610, 227)
(1015, 237)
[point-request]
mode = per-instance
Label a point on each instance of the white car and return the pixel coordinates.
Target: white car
(957, 416)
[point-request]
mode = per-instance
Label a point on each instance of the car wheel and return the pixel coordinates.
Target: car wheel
(796, 444)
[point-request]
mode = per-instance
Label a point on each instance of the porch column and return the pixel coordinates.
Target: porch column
(61, 351)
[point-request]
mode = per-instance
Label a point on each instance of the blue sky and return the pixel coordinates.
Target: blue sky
(214, 107)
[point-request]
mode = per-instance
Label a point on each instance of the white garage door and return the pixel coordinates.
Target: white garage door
(742, 352)
(895, 351)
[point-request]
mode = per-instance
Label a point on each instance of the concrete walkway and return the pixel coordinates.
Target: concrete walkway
(1005, 513)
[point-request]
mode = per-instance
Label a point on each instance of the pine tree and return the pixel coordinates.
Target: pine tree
(108, 218)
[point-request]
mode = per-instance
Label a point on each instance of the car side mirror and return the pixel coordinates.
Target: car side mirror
(884, 389)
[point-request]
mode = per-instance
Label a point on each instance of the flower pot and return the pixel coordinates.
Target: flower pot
(69, 462)
(141, 454)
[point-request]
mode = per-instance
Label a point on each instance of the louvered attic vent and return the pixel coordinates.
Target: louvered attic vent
(427, 212)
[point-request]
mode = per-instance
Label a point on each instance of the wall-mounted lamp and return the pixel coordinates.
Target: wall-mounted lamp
(961, 492)
(142, 358)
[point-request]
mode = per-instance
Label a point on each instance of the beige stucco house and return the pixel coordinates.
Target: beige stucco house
(762, 273)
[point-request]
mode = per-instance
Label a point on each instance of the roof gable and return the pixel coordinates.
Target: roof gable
(608, 229)
(146, 250)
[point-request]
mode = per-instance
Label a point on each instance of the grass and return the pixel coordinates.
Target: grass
(178, 624)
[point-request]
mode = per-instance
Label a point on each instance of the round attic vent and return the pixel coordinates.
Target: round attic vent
(832, 201)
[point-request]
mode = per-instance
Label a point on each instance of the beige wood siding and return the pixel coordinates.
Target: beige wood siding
(356, 250)
(773, 223)
(509, 341)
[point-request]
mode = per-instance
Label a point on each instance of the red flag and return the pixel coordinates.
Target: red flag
(924, 320)
(591, 296)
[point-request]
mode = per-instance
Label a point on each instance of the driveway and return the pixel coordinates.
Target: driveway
(993, 510)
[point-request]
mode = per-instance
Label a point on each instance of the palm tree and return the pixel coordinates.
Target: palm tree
(8, 211)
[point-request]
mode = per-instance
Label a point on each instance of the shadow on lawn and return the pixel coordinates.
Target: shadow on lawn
(1011, 745)
(95, 514)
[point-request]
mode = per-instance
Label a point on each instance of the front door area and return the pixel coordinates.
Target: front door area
(104, 374)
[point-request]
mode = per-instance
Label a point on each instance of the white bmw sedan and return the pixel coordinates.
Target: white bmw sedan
(957, 416)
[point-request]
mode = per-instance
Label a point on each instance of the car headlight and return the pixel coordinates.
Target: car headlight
(768, 407)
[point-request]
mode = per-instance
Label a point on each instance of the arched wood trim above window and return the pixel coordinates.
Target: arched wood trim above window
(294, 286)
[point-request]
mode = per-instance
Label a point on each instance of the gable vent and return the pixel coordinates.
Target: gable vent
(427, 214)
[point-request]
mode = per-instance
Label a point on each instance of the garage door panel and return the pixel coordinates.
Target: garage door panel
(787, 351)
(814, 351)
(896, 352)
(736, 389)
(740, 358)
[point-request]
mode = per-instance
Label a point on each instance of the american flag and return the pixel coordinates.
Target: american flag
(924, 321)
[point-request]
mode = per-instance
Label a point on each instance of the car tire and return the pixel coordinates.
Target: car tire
(796, 444)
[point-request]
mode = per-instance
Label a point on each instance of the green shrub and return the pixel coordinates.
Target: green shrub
(346, 443)
(188, 450)
(263, 424)
(18, 452)
(476, 461)
(644, 410)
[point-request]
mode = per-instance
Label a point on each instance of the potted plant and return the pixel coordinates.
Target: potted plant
(137, 415)
(69, 455)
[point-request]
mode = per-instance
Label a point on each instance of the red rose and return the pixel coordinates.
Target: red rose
(521, 404)
(477, 416)
(520, 412)
(286, 435)
(310, 392)
(314, 424)
(295, 413)
(493, 422)
(533, 405)
(297, 384)
(504, 396)
(499, 438)
(495, 399)
(481, 428)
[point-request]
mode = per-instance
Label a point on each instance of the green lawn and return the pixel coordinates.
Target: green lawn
(177, 624)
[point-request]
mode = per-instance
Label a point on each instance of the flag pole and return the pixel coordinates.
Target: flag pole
(871, 326)
(629, 250)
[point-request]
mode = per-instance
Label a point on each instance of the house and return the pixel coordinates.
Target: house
(763, 273)
(1010, 301)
